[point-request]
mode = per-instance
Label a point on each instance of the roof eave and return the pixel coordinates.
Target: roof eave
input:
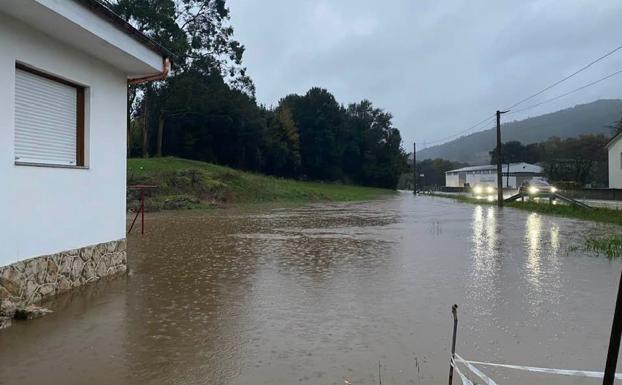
(613, 140)
(96, 6)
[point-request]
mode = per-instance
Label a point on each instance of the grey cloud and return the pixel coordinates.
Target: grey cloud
(438, 66)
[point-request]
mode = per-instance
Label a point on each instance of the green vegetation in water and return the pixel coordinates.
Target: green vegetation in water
(596, 214)
(610, 246)
(191, 184)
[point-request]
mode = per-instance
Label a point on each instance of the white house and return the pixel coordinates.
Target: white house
(514, 174)
(614, 148)
(64, 70)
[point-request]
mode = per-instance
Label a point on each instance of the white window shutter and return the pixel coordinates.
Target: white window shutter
(45, 120)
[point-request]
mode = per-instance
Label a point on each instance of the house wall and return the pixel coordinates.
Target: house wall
(50, 210)
(452, 180)
(615, 164)
(475, 178)
(490, 179)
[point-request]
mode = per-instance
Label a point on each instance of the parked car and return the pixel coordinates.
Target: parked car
(484, 191)
(537, 187)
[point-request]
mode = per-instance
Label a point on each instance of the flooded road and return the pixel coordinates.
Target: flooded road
(320, 294)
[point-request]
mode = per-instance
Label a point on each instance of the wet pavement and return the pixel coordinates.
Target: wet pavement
(323, 293)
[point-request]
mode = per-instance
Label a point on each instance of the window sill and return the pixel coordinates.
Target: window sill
(48, 165)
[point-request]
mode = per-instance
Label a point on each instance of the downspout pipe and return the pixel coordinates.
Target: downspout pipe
(159, 76)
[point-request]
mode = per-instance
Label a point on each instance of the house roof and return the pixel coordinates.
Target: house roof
(514, 168)
(98, 7)
(617, 137)
(93, 28)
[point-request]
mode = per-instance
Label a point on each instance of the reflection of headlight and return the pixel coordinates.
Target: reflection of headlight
(533, 190)
(553, 189)
(490, 190)
(491, 198)
(478, 190)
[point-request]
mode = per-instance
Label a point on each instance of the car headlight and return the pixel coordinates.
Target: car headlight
(490, 190)
(478, 190)
(533, 190)
(553, 189)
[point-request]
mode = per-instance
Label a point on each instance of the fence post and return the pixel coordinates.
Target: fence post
(454, 311)
(142, 212)
(614, 341)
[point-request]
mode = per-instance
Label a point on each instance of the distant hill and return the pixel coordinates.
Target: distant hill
(591, 118)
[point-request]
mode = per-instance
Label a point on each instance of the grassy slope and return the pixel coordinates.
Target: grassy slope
(186, 184)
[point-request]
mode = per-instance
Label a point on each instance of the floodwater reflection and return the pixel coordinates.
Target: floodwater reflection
(486, 263)
(533, 234)
(320, 293)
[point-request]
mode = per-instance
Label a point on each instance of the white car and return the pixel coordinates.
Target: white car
(484, 191)
(537, 187)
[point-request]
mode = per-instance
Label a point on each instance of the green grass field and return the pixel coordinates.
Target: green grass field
(186, 183)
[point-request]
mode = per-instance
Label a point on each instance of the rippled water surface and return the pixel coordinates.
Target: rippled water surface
(323, 293)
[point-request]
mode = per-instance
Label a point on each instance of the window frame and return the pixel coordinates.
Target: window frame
(80, 118)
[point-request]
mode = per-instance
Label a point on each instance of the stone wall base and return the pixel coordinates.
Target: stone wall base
(28, 282)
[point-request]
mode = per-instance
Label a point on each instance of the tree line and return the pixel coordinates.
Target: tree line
(206, 109)
(430, 173)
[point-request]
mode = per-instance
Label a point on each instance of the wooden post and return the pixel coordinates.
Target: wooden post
(454, 311)
(614, 340)
(499, 172)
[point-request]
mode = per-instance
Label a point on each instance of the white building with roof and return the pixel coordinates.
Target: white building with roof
(614, 149)
(64, 73)
(514, 174)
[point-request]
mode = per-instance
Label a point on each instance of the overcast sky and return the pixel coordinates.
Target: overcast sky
(437, 66)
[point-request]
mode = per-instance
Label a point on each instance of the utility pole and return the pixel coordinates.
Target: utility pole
(454, 311)
(499, 173)
(414, 168)
(614, 341)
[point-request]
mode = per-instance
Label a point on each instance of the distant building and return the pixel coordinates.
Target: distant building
(614, 147)
(514, 175)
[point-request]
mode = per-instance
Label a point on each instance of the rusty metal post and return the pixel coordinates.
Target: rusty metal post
(454, 311)
(142, 211)
(614, 340)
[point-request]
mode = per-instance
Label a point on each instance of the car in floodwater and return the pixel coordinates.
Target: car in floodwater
(484, 191)
(537, 187)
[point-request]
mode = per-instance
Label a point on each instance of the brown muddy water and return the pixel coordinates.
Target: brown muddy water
(320, 294)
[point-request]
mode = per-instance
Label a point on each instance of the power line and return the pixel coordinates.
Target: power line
(567, 93)
(566, 78)
(541, 92)
(455, 135)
